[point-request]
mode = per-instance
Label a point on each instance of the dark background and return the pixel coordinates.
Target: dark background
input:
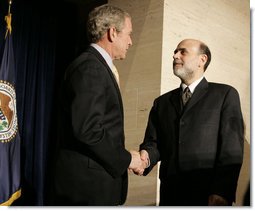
(47, 36)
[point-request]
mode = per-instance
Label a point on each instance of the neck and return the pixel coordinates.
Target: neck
(192, 78)
(106, 46)
(190, 81)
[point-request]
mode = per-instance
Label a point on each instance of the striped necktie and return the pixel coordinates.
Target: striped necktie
(186, 95)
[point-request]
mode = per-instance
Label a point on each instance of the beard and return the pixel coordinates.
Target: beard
(183, 73)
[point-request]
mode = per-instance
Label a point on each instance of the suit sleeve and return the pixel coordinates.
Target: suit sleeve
(150, 143)
(230, 153)
(88, 109)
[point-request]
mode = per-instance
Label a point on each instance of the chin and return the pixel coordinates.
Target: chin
(122, 57)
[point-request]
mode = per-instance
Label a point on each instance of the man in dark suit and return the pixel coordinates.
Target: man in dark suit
(92, 162)
(197, 135)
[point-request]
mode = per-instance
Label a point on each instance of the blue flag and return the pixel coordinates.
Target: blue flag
(10, 188)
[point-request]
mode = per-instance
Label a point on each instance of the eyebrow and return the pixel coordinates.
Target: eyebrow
(180, 49)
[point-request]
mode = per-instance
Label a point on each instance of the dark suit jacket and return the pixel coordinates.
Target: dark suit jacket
(206, 135)
(91, 165)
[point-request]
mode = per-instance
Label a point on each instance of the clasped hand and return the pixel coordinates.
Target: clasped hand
(139, 161)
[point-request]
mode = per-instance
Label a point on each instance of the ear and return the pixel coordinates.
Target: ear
(112, 34)
(203, 59)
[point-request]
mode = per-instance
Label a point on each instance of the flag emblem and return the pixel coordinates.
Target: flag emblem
(8, 114)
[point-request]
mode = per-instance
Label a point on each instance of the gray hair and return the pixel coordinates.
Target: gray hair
(204, 49)
(102, 18)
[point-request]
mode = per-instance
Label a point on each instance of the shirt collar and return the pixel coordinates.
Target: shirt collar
(193, 85)
(103, 53)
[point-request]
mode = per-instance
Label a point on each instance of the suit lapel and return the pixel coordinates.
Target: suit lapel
(101, 59)
(175, 99)
(199, 92)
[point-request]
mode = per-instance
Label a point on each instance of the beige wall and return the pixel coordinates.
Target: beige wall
(159, 25)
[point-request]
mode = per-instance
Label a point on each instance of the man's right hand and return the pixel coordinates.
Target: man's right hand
(137, 165)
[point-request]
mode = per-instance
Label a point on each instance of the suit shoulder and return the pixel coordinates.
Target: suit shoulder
(86, 58)
(222, 88)
(85, 62)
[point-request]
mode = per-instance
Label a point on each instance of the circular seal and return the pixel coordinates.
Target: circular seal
(8, 112)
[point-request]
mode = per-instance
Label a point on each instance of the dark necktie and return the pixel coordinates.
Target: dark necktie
(186, 95)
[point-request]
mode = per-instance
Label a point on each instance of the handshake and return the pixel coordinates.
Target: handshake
(139, 162)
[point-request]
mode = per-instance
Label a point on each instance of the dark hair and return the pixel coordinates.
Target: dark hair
(102, 18)
(205, 50)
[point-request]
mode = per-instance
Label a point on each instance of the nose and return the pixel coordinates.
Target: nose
(176, 55)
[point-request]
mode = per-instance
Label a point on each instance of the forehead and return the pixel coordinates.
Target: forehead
(190, 45)
(127, 24)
